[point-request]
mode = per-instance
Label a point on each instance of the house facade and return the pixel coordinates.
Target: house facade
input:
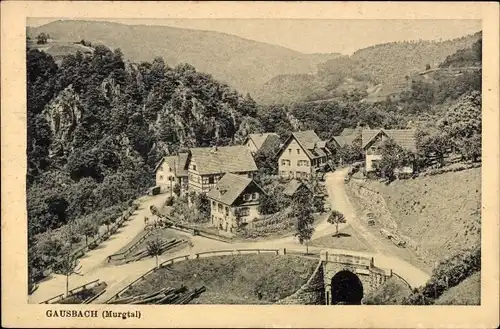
(206, 166)
(234, 201)
(256, 142)
(302, 154)
(372, 140)
(172, 170)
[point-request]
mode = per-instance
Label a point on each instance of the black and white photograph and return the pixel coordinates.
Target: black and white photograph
(174, 162)
(226, 161)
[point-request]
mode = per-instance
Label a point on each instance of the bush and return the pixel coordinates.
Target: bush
(447, 274)
(170, 201)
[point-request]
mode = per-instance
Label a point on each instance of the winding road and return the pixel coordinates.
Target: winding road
(94, 264)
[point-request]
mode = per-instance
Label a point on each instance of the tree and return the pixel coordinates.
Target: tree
(302, 211)
(268, 204)
(335, 218)
(154, 248)
(393, 156)
(89, 229)
(42, 38)
(177, 189)
(67, 266)
(108, 221)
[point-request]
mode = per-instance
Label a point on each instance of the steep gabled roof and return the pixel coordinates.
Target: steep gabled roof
(292, 186)
(272, 142)
(260, 139)
(403, 137)
(223, 159)
(344, 140)
(176, 162)
(229, 188)
(313, 146)
(347, 131)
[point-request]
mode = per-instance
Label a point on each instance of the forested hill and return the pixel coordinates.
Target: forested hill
(388, 63)
(97, 125)
(243, 64)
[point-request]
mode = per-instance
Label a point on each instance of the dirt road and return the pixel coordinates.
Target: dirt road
(117, 277)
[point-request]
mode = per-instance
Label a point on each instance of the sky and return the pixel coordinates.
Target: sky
(316, 35)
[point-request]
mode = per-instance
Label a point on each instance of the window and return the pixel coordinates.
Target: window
(285, 162)
(213, 204)
(219, 208)
(291, 174)
(194, 167)
(245, 211)
(302, 163)
(169, 169)
(247, 197)
(289, 151)
(161, 177)
(255, 196)
(161, 168)
(298, 151)
(211, 180)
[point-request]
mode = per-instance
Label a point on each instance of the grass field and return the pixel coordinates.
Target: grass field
(348, 239)
(233, 279)
(468, 292)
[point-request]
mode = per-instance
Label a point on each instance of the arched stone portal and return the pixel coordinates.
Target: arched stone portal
(346, 288)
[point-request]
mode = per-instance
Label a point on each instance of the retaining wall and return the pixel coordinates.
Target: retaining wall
(372, 201)
(311, 293)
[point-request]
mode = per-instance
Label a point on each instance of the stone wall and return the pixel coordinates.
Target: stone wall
(371, 200)
(311, 293)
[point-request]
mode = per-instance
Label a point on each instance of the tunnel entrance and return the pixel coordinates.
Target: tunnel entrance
(347, 289)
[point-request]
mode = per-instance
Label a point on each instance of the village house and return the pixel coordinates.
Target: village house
(372, 139)
(294, 186)
(172, 170)
(207, 165)
(234, 202)
(257, 142)
(303, 154)
(346, 138)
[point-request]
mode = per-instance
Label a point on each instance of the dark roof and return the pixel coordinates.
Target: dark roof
(229, 188)
(261, 138)
(272, 143)
(403, 137)
(292, 186)
(223, 159)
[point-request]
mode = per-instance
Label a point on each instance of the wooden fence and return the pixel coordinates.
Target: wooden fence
(225, 252)
(94, 243)
(88, 285)
(124, 254)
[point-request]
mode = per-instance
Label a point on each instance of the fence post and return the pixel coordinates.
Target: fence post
(284, 251)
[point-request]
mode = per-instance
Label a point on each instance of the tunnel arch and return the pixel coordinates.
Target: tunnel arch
(346, 288)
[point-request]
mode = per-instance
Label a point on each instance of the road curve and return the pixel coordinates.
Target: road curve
(117, 277)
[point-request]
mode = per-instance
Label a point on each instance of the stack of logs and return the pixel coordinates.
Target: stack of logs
(163, 296)
(164, 247)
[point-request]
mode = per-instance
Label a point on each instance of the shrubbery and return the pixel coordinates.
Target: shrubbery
(447, 274)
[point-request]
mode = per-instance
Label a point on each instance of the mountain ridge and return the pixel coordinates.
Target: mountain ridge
(242, 63)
